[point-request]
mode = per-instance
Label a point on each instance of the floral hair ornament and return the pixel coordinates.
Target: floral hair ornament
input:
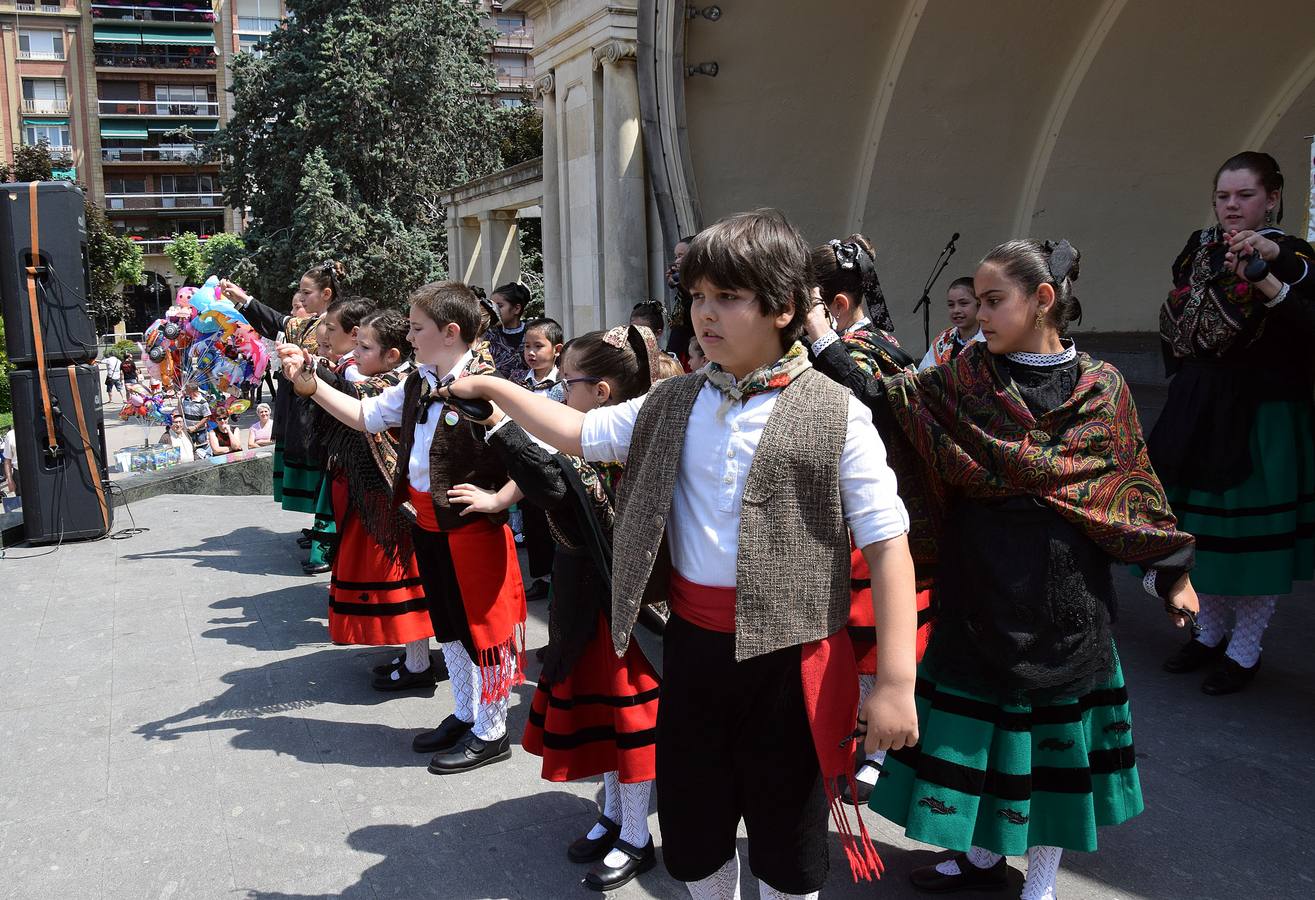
(640, 340)
(1062, 257)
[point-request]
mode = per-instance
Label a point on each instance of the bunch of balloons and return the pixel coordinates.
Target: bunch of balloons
(204, 339)
(148, 407)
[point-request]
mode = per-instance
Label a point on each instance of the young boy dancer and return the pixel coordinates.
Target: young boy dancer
(742, 481)
(467, 561)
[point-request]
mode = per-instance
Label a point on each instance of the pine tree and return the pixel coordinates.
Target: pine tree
(358, 115)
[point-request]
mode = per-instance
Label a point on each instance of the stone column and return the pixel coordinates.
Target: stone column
(624, 220)
(463, 248)
(554, 302)
(499, 249)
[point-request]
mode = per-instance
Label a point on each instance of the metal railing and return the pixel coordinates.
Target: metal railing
(164, 58)
(208, 109)
(257, 25)
(180, 13)
(514, 40)
(41, 54)
(182, 153)
(45, 107)
(155, 245)
(32, 7)
(515, 81)
(163, 201)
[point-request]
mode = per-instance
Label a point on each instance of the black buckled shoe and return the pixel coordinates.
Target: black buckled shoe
(587, 850)
(970, 878)
(447, 735)
(1229, 678)
(639, 860)
(397, 660)
(1194, 655)
(858, 797)
(472, 753)
(318, 569)
(400, 678)
(537, 591)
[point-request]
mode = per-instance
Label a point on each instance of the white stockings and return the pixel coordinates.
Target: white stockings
(466, 679)
(1246, 618)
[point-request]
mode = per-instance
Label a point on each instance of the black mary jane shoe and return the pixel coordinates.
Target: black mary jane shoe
(1192, 656)
(472, 753)
(639, 860)
(398, 659)
(447, 735)
(405, 680)
(303, 543)
(537, 591)
(586, 849)
(1228, 678)
(319, 569)
(858, 797)
(970, 878)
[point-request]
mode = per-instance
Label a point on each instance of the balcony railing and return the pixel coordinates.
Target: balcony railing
(156, 245)
(163, 201)
(156, 58)
(257, 25)
(514, 82)
(181, 153)
(41, 54)
(186, 108)
(179, 12)
(514, 41)
(32, 7)
(45, 107)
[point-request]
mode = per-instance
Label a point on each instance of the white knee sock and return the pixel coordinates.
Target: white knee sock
(1253, 615)
(723, 884)
(1042, 869)
(870, 770)
(634, 820)
(767, 892)
(611, 804)
(982, 859)
(417, 655)
(490, 717)
(461, 673)
(1214, 619)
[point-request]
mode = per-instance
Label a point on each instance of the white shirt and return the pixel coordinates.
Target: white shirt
(113, 368)
(929, 359)
(384, 411)
(714, 466)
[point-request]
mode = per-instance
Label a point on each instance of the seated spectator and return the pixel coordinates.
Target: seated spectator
(262, 433)
(177, 436)
(226, 437)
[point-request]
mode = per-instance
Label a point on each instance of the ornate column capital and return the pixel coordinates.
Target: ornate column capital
(614, 51)
(544, 84)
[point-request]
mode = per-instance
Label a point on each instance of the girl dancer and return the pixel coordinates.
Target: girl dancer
(760, 688)
(1035, 477)
(375, 595)
(508, 333)
(963, 305)
(298, 467)
(1233, 444)
(467, 563)
(594, 713)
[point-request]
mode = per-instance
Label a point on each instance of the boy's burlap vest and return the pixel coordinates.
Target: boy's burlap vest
(792, 569)
(458, 455)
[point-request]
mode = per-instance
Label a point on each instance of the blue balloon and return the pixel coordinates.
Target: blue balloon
(207, 298)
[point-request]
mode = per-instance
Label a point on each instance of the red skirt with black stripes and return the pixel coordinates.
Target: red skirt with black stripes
(600, 718)
(862, 622)
(372, 599)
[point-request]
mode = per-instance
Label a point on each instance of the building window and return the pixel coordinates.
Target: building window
(45, 96)
(259, 16)
(54, 135)
(33, 44)
(187, 184)
(125, 185)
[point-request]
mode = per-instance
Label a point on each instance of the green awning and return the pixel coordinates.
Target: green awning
(208, 125)
(124, 131)
(104, 34)
(45, 122)
(181, 38)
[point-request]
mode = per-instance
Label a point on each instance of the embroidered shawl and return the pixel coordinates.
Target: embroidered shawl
(971, 433)
(877, 352)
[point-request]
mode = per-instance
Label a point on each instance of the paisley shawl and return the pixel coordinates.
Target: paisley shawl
(876, 352)
(971, 434)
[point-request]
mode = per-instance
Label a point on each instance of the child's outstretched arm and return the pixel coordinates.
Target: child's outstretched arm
(551, 422)
(343, 407)
(892, 719)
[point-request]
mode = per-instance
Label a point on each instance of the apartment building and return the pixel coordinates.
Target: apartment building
(510, 53)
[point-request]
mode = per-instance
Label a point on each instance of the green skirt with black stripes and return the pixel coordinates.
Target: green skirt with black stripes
(1007, 777)
(296, 486)
(1258, 537)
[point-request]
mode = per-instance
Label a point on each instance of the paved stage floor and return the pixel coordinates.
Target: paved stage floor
(175, 725)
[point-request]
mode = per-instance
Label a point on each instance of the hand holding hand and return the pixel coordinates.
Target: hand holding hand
(891, 718)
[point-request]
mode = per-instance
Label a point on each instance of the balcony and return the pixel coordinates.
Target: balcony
(509, 82)
(257, 25)
(181, 110)
(177, 153)
(55, 55)
(514, 40)
(155, 246)
(157, 58)
(190, 13)
(38, 7)
(45, 107)
(125, 202)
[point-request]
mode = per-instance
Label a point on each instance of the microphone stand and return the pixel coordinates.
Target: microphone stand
(924, 302)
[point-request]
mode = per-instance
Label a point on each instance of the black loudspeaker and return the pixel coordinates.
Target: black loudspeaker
(63, 277)
(63, 492)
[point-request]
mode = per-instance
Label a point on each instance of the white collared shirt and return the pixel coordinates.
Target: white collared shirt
(385, 411)
(714, 466)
